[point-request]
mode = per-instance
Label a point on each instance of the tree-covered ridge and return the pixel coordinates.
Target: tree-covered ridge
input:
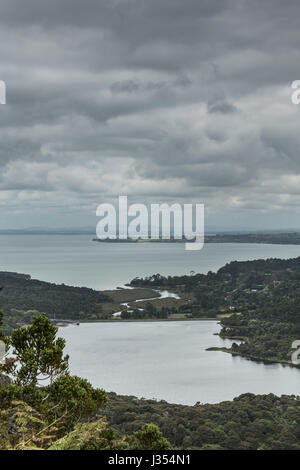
(270, 321)
(249, 422)
(23, 298)
(290, 238)
(257, 301)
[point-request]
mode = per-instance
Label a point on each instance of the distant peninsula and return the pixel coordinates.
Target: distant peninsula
(292, 238)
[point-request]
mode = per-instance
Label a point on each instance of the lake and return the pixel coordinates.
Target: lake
(165, 360)
(168, 360)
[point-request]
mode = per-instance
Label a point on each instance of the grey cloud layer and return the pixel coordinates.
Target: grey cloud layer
(157, 99)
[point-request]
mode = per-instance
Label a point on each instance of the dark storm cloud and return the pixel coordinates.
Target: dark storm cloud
(156, 99)
(221, 106)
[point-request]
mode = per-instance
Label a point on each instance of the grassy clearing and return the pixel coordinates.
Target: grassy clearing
(119, 296)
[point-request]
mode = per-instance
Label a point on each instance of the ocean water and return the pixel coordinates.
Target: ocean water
(78, 261)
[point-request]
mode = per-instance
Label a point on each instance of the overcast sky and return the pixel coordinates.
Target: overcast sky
(160, 100)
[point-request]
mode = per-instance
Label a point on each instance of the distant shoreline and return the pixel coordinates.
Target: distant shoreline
(140, 320)
(291, 238)
(273, 238)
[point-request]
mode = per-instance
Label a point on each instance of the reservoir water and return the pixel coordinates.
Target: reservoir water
(169, 361)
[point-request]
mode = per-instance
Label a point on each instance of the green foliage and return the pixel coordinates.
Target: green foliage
(2, 339)
(91, 436)
(22, 298)
(64, 402)
(8, 393)
(2, 336)
(100, 436)
(23, 428)
(249, 422)
(150, 438)
(38, 352)
(72, 399)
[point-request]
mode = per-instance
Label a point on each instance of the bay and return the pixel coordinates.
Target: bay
(77, 260)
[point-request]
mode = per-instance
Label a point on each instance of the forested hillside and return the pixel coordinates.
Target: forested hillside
(22, 297)
(249, 422)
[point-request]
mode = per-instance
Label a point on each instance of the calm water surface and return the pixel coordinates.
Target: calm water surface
(167, 360)
(76, 260)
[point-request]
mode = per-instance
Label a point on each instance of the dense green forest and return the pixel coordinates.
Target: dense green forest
(249, 422)
(23, 297)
